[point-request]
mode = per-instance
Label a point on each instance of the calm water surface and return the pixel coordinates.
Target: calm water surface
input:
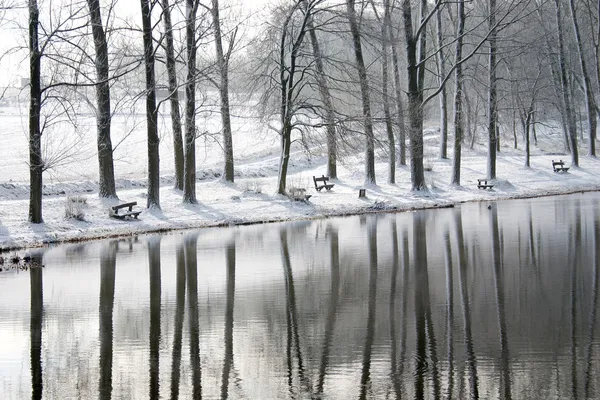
(460, 303)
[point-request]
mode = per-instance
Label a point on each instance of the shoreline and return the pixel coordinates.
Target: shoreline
(45, 242)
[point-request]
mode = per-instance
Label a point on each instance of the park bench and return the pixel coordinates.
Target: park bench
(128, 213)
(483, 184)
(559, 166)
(325, 185)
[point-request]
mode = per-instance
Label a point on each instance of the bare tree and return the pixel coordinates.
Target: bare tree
(290, 78)
(103, 111)
(442, 96)
(327, 101)
(153, 198)
(36, 166)
(492, 93)
(416, 45)
(587, 84)
(458, 94)
(565, 90)
(173, 95)
(364, 91)
(189, 186)
(223, 85)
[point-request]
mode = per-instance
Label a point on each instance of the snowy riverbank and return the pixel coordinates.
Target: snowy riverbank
(252, 200)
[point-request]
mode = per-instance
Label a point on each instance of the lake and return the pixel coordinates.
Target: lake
(485, 300)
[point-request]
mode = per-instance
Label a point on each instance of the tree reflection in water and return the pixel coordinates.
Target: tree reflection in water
(332, 232)
(594, 305)
(505, 387)
(229, 308)
(155, 300)
(366, 361)
(178, 324)
(35, 326)
(108, 262)
(191, 264)
(293, 349)
(466, 311)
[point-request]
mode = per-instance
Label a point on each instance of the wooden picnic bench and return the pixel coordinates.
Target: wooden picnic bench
(126, 214)
(559, 166)
(483, 184)
(325, 185)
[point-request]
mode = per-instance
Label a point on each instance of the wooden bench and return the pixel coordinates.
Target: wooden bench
(126, 214)
(483, 184)
(559, 166)
(325, 185)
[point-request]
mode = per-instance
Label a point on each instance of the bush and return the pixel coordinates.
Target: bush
(252, 187)
(74, 208)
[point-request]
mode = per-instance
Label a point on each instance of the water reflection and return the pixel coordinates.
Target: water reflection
(35, 327)
(230, 293)
(463, 265)
(471, 302)
(155, 296)
(370, 336)
(178, 323)
(191, 273)
(108, 261)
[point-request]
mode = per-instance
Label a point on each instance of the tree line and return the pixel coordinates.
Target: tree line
(328, 74)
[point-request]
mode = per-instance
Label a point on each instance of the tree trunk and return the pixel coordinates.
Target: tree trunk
(569, 117)
(398, 99)
(364, 91)
(327, 103)
(223, 65)
(189, 184)
(153, 198)
(36, 164)
(442, 96)
(492, 95)
(458, 93)
(103, 113)
(173, 96)
(527, 138)
(286, 142)
(386, 100)
(587, 85)
(415, 101)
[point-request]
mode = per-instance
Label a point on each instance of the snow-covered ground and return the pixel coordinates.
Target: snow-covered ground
(252, 198)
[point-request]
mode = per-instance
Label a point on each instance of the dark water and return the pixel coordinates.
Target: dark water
(460, 303)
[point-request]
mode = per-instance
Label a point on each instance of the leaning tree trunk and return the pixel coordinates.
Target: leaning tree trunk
(223, 65)
(458, 93)
(103, 113)
(36, 165)
(492, 99)
(153, 198)
(364, 91)
(442, 96)
(189, 183)
(386, 101)
(569, 117)
(327, 102)
(587, 85)
(173, 96)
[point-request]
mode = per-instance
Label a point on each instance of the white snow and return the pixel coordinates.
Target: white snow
(252, 198)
